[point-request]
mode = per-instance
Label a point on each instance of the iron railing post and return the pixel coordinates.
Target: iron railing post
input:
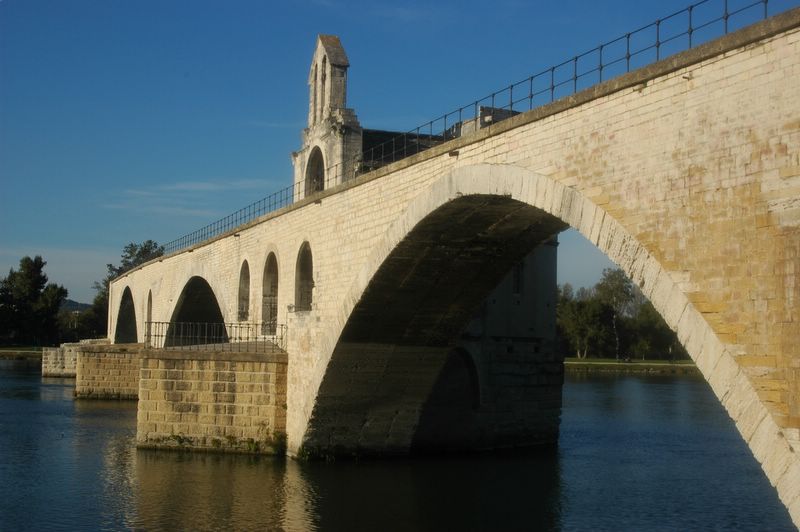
(725, 16)
(530, 93)
(658, 40)
(627, 52)
(575, 74)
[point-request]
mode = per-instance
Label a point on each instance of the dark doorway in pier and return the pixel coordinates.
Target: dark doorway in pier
(269, 296)
(448, 416)
(315, 172)
(244, 292)
(304, 279)
(197, 318)
(126, 320)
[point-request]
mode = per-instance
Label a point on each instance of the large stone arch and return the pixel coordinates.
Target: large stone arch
(197, 317)
(514, 188)
(125, 331)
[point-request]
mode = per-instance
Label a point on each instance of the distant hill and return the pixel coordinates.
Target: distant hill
(71, 305)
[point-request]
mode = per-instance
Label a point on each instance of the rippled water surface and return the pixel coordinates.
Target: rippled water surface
(636, 453)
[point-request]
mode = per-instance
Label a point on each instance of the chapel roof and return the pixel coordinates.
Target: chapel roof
(334, 50)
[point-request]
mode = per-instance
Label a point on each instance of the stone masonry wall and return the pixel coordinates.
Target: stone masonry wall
(213, 401)
(58, 361)
(108, 372)
(62, 361)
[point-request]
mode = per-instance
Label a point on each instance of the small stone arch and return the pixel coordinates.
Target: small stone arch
(269, 296)
(315, 172)
(451, 407)
(304, 279)
(197, 318)
(126, 332)
(244, 293)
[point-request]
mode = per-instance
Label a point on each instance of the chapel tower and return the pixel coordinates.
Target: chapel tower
(332, 138)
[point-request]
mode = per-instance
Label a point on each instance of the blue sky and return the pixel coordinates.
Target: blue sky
(122, 121)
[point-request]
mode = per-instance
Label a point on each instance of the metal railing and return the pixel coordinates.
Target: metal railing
(680, 31)
(241, 337)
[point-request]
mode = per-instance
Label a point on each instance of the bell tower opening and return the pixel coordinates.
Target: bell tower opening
(315, 172)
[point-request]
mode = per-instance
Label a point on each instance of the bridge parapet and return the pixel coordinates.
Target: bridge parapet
(237, 337)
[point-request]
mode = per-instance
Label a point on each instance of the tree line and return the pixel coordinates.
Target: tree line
(32, 311)
(613, 320)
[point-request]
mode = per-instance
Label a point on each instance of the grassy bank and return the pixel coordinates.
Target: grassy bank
(599, 365)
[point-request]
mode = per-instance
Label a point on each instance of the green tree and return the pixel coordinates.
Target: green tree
(29, 305)
(95, 320)
(613, 317)
(582, 321)
(616, 290)
(651, 337)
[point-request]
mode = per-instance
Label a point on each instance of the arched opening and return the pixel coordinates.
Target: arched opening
(149, 317)
(244, 293)
(304, 279)
(412, 313)
(126, 320)
(314, 98)
(315, 172)
(269, 296)
(322, 85)
(197, 318)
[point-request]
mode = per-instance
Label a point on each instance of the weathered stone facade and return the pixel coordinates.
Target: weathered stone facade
(107, 371)
(686, 173)
(212, 401)
(62, 361)
(59, 361)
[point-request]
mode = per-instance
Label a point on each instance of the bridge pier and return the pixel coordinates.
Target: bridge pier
(212, 401)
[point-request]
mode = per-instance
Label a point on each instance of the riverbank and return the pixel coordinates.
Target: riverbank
(602, 365)
(21, 354)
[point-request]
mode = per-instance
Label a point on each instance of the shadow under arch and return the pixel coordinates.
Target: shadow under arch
(126, 332)
(448, 416)
(197, 318)
(535, 205)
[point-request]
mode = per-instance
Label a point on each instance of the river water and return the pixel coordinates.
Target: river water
(636, 453)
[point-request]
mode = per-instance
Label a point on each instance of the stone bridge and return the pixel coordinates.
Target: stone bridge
(686, 173)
